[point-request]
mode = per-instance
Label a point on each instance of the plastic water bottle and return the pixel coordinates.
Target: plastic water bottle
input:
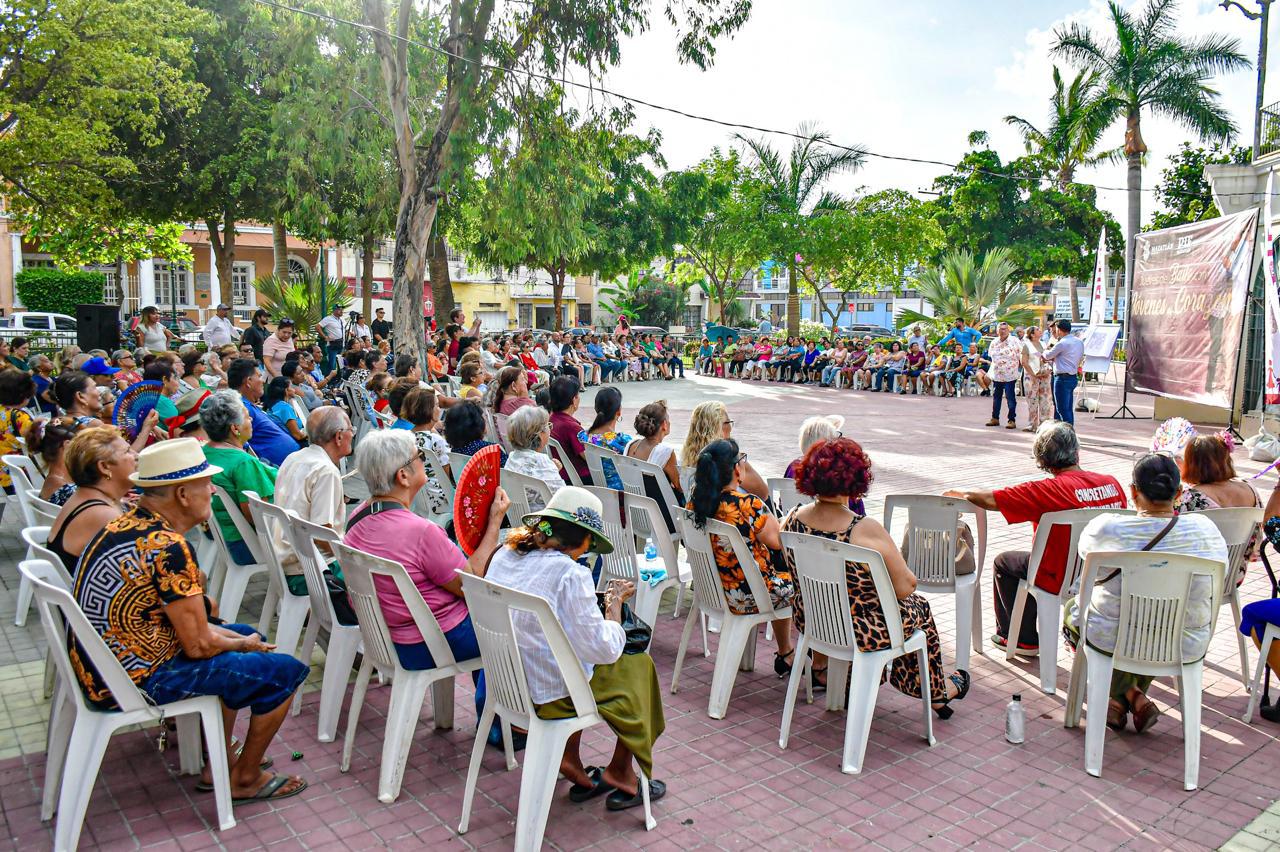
(650, 549)
(1015, 721)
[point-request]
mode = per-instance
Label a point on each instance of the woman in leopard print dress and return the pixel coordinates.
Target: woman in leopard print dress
(833, 472)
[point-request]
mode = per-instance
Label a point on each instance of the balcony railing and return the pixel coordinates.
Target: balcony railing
(1269, 119)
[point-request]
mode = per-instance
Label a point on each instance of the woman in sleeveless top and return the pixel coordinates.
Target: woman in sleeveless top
(832, 472)
(99, 462)
(652, 425)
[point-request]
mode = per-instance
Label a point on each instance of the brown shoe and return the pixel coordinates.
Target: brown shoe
(993, 422)
(1011, 425)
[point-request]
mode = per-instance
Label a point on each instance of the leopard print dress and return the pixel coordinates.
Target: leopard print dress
(868, 619)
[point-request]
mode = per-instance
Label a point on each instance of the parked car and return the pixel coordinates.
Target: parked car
(23, 322)
(863, 329)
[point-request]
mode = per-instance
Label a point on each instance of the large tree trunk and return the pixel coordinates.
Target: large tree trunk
(280, 248)
(441, 283)
(793, 299)
(1075, 301)
(122, 283)
(223, 238)
(368, 248)
(408, 269)
(557, 294)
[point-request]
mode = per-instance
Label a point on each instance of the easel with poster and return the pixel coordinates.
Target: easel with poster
(1099, 347)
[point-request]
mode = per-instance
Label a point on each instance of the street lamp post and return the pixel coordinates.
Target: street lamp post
(1263, 16)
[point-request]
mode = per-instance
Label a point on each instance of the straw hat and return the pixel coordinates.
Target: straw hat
(170, 462)
(580, 508)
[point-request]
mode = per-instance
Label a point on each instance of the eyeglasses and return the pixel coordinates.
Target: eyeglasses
(728, 422)
(419, 455)
(741, 458)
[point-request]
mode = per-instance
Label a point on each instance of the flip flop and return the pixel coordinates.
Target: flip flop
(271, 790)
(579, 793)
(620, 800)
(202, 787)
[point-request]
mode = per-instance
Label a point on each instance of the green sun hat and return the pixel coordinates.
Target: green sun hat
(580, 508)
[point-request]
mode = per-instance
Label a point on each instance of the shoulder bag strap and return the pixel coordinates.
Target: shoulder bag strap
(1148, 546)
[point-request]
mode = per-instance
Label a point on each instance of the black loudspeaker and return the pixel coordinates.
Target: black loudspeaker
(97, 327)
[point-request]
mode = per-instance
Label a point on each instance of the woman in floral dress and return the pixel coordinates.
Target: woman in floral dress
(1038, 384)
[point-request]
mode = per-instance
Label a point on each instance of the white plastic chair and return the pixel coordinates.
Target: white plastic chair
(785, 494)
(457, 461)
(526, 493)
(933, 544)
(408, 688)
(300, 409)
(22, 472)
(289, 609)
(737, 648)
(500, 427)
(37, 539)
(43, 511)
(490, 426)
(80, 733)
(1154, 589)
(1049, 604)
(21, 487)
(344, 640)
(821, 577)
(27, 465)
(1271, 634)
(234, 578)
(595, 456)
(1239, 527)
(558, 452)
(494, 612)
(634, 473)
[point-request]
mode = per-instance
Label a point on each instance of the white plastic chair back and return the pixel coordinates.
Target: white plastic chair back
(500, 428)
(621, 564)
(265, 518)
(359, 570)
(21, 486)
(27, 465)
(490, 426)
(300, 408)
(495, 612)
(1238, 527)
(596, 455)
(303, 535)
(37, 540)
(643, 510)
(785, 494)
(42, 510)
(1154, 589)
(527, 494)
(633, 473)
(246, 530)
(436, 471)
(820, 565)
(558, 452)
(457, 461)
(1076, 520)
(932, 539)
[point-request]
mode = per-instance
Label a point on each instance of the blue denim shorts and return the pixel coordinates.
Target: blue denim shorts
(260, 680)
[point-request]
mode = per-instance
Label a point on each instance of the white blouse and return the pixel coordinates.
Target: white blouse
(567, 586)
(539, 466)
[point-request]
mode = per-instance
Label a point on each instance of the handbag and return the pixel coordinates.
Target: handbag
(639, 634)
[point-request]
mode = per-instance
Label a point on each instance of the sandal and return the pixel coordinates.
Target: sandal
(266, 764)
(962, 681)
(1146, 718)
(579, 793)
(819, 685)
(620, 800)
(1117, 715)
(271, 790)
(780, 665)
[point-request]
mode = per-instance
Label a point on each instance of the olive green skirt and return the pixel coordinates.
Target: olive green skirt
(628, 698)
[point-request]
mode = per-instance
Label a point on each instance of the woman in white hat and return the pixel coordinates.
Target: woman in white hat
(541, 558)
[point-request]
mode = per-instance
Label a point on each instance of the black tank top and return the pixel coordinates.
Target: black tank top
(69, 560)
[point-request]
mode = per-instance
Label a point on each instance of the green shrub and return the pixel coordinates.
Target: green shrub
(59, 292)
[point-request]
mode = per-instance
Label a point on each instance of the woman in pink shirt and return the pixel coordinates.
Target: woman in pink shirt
(393, 467)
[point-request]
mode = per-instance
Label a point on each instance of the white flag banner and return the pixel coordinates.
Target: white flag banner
(1271, 391)
(1098, 306)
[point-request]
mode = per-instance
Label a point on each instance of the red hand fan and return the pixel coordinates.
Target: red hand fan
(476, 488)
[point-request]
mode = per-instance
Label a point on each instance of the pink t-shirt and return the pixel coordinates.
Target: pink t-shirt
(429, 557)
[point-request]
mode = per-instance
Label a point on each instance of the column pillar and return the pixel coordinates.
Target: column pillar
(146, 282)
(15, 252)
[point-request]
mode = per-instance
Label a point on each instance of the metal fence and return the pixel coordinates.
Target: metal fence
(1269, 119)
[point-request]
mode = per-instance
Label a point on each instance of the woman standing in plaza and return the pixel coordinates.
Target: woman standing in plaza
(1038, 376)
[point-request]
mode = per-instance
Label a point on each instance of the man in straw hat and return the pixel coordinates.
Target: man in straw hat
(140, 587)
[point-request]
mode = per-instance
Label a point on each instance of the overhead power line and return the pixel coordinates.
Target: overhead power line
(732, 125)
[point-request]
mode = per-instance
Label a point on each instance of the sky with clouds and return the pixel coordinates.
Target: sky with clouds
(905, 78)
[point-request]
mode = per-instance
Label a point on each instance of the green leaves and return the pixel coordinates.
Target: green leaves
(1182, 188)
(962, 286)
(58, 292)
(300, 299)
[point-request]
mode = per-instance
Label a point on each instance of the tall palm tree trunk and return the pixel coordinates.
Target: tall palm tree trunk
(280, 250)
(1134, 148)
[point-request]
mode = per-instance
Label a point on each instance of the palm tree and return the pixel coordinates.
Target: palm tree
(300, 299)
(1071, 137)
(792, 192)
(976, 291)
(1146, 66)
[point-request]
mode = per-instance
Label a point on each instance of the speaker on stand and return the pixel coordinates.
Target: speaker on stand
(97, 327)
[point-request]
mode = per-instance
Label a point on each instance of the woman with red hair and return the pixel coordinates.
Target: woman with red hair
(834, 472)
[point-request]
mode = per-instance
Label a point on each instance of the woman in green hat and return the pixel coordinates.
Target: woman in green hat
(541, 558)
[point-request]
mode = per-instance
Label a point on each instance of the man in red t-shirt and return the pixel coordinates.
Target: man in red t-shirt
(1057, 452)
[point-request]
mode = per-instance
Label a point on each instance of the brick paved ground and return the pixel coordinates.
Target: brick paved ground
(730, 785)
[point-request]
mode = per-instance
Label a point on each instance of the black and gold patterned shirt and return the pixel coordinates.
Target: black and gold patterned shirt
(126, 576)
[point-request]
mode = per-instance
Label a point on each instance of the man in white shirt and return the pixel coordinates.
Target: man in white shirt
(219, 330)
(310, 483)
(330, 332)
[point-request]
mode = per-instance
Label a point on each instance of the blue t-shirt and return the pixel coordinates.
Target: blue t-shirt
(810, 355)
(269, 441)
(963, 336)
(42, 385)
(282, 412)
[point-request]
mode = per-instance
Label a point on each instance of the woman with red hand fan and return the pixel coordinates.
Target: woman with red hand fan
(392, 465)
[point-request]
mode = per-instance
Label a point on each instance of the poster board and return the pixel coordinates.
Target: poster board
(1188, 299)
(1100, 340)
